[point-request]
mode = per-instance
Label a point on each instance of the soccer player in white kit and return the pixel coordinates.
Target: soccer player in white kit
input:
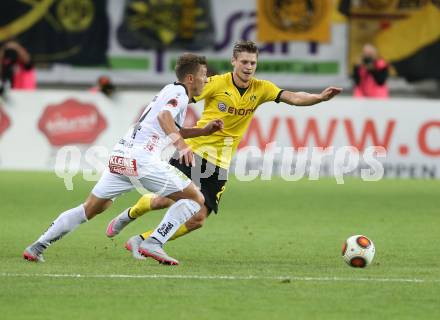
(136, 162)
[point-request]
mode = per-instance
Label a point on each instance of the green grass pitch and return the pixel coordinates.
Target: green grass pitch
(273, 252)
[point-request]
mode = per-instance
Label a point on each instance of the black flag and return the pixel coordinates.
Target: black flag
(63, 31)
(177, 24)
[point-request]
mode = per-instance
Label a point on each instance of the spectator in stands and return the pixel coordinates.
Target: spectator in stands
(16, 68)
(104, 85)
(370, 75)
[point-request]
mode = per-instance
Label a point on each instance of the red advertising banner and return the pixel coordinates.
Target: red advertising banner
(71, 122)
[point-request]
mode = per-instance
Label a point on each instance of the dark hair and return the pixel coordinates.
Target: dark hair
(244, 46)
(188, 63)
(106, 86)
(10, 55)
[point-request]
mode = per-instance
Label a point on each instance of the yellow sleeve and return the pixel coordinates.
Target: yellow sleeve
(271, 91)
(207, 90)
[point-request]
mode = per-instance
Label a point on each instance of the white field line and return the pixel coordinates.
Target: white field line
(218, 277)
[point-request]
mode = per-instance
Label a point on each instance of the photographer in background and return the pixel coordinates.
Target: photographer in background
(16, 68)
(370, 75)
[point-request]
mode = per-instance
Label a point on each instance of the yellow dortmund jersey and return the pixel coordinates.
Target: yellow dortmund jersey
(223, 101)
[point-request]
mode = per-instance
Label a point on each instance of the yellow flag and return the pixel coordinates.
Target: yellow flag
(301, 20)
(407, 36)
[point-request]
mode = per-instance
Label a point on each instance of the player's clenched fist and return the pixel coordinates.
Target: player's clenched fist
(213, 126)
(329, 93)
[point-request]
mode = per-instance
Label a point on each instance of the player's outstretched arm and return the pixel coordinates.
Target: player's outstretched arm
(309, 99)
(209, 129)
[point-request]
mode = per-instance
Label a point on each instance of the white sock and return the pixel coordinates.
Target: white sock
(176, 215)
(65, 223)
(125, 217)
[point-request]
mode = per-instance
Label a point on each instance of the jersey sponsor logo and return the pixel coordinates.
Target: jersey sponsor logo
(222, 107)
(235, 111)
(71, 122)
(165, 228)
(152, 143)
(121, 165)
(241, 111)
(125, 143)
(172, 103)
(4, 121)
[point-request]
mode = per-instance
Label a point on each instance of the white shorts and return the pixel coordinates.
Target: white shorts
(157, 177)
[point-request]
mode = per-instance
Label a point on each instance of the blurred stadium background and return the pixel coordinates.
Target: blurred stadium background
(128, 47)
(98, 63)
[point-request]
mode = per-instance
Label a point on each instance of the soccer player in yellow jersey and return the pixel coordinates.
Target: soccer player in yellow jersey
(234, 98)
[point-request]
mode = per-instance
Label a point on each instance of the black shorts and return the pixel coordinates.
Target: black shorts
(210, 178)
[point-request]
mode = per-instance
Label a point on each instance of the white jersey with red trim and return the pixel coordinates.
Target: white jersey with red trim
(136, 159)
(147, 136)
